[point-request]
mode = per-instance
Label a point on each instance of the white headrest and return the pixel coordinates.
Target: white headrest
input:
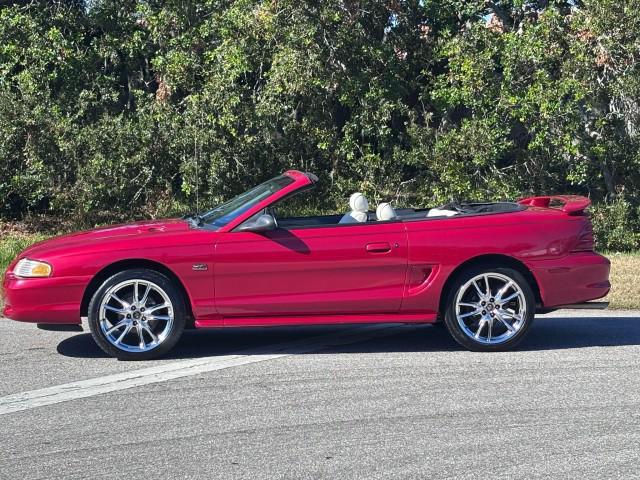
(385, 212)
(358, 202)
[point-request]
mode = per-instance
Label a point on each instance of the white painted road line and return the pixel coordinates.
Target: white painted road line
(185, 368)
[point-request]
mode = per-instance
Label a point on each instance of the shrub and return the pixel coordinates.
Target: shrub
(113, 110)
(616, 226)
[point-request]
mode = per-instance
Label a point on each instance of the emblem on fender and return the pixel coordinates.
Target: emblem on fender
(200, 267)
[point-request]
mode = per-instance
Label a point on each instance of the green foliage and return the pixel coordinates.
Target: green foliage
(122, 109)
(13, 243)
(616, 226)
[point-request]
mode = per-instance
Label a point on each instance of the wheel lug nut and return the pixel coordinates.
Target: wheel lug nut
(128, 316)
(484, 312)
(133, 307)
(491, 300)
(142, 309)
(483, 303)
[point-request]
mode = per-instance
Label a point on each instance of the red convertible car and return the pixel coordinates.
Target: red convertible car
(483, 269)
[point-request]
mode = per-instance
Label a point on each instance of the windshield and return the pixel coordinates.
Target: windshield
(224, 213)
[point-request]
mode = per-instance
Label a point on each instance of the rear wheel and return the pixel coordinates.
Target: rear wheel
(490, 309)
(137, 314)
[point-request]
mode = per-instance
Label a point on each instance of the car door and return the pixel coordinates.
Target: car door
(338, 269)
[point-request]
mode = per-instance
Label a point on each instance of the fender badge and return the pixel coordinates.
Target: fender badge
(200, 267)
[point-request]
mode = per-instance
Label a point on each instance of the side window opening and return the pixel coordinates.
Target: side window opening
(303, 209)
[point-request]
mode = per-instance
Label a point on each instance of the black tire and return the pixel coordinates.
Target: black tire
(171, 333)
(464, 339)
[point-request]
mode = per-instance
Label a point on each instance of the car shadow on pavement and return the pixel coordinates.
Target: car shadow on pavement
(546, 334)
(580, 332)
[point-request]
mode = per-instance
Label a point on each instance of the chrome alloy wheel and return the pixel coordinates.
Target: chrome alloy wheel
(490, 308)
(136, 315)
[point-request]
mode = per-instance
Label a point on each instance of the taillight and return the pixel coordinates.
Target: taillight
(585, 242)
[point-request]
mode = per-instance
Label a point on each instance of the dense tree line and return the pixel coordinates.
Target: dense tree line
(123, 108)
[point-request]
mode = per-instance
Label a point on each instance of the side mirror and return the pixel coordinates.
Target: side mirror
(263, 223)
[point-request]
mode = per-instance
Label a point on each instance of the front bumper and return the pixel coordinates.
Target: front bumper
(53, 300)
(576, 278)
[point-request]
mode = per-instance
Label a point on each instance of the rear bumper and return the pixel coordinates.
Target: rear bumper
(576, 278)
(54, 300)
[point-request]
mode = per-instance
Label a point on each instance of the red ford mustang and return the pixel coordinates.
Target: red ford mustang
(482, 269)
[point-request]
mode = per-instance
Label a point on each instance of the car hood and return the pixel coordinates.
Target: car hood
(113, 232)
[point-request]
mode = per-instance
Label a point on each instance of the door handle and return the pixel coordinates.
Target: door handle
(380, 247)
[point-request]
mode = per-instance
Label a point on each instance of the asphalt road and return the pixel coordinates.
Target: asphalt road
(352, 402)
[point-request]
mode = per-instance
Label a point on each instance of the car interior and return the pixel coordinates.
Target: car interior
(359, 213)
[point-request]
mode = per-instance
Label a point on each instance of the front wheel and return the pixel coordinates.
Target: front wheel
(489, 309)
(137, 314)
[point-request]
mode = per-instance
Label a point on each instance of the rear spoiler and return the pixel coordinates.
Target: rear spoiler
(569, 204)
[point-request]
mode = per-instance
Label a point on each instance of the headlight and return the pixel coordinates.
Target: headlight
(26, 268)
